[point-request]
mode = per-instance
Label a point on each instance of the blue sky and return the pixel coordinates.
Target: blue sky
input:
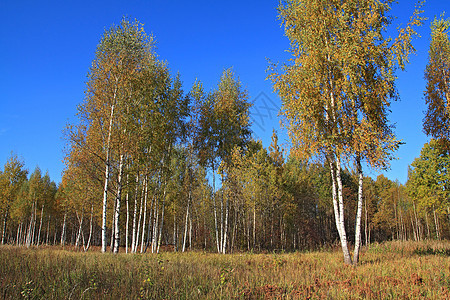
(47, 48)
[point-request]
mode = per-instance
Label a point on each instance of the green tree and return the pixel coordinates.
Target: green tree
(223, 123)
(122, 54)
(429, 181)
(437, 75)
(384, 218)
(11, 179)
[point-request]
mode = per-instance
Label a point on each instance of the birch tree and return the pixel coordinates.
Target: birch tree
(223, 124)
(337, 89)
(122, 52)
(11, 179)
(437, 76)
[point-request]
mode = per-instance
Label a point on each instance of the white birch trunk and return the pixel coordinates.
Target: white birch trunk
(417, 223)
(162, 216)
(117, 212)
(155, 225)
(111, 247)
(436, 224)
(63, 231)
(334, 196)
(40, 226)
(347, 258)
(33, 231)
(215, 209)
(221, 223)
(190, 232)
(19, 227)
(5, 220)
(150, 223)
(128, 219)
(133, 238)
(145, 214)
(28, 239)
(225, 232)
(90, 230)
(48, 230)
(107, 175)
(358, 213)
(140, 218)
(186, 222)
(80, 228)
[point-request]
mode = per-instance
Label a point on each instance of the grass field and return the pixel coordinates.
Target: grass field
(393, 270)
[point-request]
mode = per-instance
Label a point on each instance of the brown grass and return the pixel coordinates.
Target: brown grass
(393, 270)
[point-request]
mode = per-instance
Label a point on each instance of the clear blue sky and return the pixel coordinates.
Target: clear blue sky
(46, 48)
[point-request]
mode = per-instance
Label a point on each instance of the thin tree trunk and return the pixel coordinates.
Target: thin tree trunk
(54, 236)
(427, 224)
(40, 226)
(117, 212)
(190, 232)
(436, 224)
(5, 221)
(402, 226)
(162, 216)
(215, 209)
(254, 225)
(334, 197)
(33, 231)
(416, 238)
(221, 221)
(80, 229)
(48, 229)
(111, 247)
(358, 213)
(365, 221)
(155, 225)
(417, 222)
(28, 239)
(133, 239)
(107, 171)
(128, 218)
(150, 223)
(396, 221)
(225, 233)
(105, 197)
(90, 230)
(347, 258)
(145, 214)
(140, 217)
(63, 231)
(19, 227)
(186, 222)
(175, 232)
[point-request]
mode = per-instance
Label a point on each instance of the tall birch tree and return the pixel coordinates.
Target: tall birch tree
(337, 89)
(121, 54)
(437, 75)
(222, 125)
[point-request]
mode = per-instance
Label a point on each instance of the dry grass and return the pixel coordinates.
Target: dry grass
(390, 270)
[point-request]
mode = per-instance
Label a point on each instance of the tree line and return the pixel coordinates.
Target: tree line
(149, 165)
(274, 204)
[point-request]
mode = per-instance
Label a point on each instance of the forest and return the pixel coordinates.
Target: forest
(154, 166)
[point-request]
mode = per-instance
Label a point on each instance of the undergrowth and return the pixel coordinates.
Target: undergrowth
(410, 270)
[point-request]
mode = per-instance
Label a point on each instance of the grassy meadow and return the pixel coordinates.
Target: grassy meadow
(393, 270)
